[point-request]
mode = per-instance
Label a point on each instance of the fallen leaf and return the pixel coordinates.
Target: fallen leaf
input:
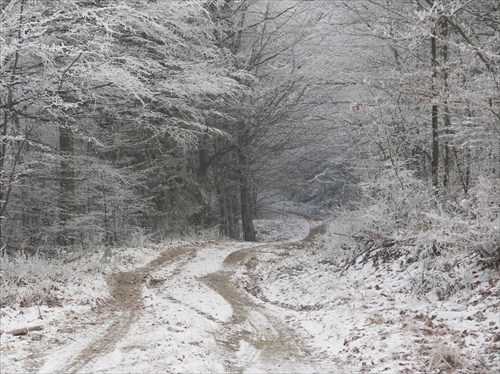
(427, 332)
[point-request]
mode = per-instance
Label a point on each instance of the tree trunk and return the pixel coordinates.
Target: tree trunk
(226, 223)
(67, 184)
(435, 125)
(66, 148)
(200, 218)
(447, 153)
(246, 209)
(227, 211)
(446, 108)
(8, 110)
(223, 212)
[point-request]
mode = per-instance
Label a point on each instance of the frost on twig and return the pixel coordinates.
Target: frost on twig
(24, 330)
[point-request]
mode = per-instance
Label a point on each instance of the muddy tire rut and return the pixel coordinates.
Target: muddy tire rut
(124, 308)
(266, 338)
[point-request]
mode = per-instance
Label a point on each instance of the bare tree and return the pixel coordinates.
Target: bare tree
(77, 77)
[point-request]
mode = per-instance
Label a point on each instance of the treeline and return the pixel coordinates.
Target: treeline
(136, 116)
(140, 116)
(430, 105)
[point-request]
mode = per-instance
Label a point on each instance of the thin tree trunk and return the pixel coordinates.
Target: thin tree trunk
(5, 185)
(227, 213)
(67, 183)
(223, 213)
(249, 233)
(66, 147)
(227, 224)
(446, 109)
(447, 153)
(435, 125)
(201, 218)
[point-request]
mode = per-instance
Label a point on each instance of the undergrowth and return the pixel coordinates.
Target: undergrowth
(35, 280)
(49, 277)
(448, 239)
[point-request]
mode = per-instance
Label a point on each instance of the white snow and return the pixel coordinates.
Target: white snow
(368, 318)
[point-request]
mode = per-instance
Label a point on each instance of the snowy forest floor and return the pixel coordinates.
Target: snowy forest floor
(286, 304)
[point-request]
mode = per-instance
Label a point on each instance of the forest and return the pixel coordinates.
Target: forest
(136, 123)
(157, 117)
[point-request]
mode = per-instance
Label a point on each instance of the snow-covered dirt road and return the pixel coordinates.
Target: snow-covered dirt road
(283, 305)
(183, 312)
(254, 339)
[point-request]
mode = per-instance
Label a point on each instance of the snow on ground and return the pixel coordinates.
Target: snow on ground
(59, 298)
(168, 337)
(282, 227)
(74, 293)
(370, 318)
(133, 257)
(382, 316)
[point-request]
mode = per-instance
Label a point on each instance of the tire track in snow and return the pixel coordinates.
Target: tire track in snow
(125, 307)
(254, 338)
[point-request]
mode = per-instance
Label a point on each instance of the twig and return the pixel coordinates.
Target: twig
(24, 330)
(354, 236)
(353, 261)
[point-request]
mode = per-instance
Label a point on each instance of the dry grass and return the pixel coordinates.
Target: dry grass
(444, 357)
